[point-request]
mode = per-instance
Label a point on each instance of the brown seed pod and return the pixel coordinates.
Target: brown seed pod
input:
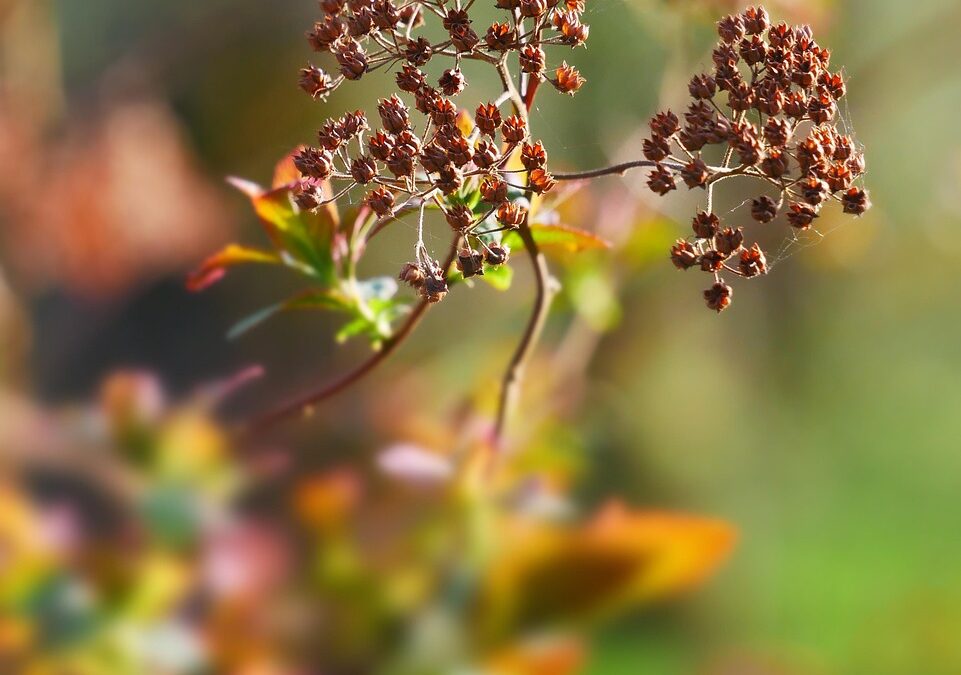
(661, 180)
(752, 262)
(380, 201)
(511, 215)
(683, 255)
(363, 169)
(764, 209)
(718, 297)
(493, 190)
(488, 118)
(315, 81)
(705, 225)
(567, 79)
(412, 275)
(729, 240)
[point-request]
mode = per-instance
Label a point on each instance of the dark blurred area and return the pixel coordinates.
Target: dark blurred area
(820, 415)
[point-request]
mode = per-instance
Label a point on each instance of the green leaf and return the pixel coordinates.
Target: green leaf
(500, 277)
(594, 298)
(558, 239)
(330, 300)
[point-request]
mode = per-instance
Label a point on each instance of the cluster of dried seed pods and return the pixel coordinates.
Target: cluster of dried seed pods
(777, 124)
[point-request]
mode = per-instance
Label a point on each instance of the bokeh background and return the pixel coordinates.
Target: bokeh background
(821, 414)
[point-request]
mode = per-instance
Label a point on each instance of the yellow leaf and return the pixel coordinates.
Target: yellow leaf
(552, 656)
(553, 574)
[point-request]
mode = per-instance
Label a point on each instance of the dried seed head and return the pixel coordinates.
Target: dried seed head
(711, 261)
(380, 201)
(496, 254)
(443, 112)
(729, 240)
(718, 297)
(315, 81)
(352, 124)
(731, 28)
(567, 79)
(514, 129)
(470, 263)
(308, 195)
(695, 173)
(541, 181)
(363, 169)
(500, 37)
(434, 158)
(533, 156)
(488, 118)
(705, 225)
(314, 163)
(380, 145)
(459, 217)
(702, 87)
(814, 190)
(661, 180)
(394, 114)
(532, 60)
(350, 57)
(801, 216)
(572, 32)
(856, 201)
(752, 262)
(418, 52)
(450, 179)
(756, 20)
(511, 215)
(410, 78)
(683, 255)
(463, 38)
(533, 8)
(764, 209)
(665, 124)
(434, 288)
(656, 148)
(452, 81)
(485, 154)
(412, 275)
(325, 33)
(493, 190)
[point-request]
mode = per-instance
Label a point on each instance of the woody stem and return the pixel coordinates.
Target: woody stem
(513, 377)
(303, 403)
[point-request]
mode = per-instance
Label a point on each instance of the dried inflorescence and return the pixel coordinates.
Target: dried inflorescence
(428, 150)
(777, 124)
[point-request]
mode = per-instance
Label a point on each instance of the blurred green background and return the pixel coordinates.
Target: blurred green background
(821, 414)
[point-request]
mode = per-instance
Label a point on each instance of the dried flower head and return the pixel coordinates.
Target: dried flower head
(770, 103)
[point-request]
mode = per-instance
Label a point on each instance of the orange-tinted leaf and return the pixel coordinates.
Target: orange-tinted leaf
(327, 500)
(559, 239)
(213, 268)
(465, 122)
(556, 656)
(555, 574)
(285, 173)
(306, 237)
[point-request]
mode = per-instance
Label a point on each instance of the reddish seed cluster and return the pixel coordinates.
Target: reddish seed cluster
(770, 105)
(427, 149)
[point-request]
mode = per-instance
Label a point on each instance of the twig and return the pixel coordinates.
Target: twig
(303, 403)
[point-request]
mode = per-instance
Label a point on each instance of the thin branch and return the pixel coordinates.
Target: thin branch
(303, 403)
(513, 377)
